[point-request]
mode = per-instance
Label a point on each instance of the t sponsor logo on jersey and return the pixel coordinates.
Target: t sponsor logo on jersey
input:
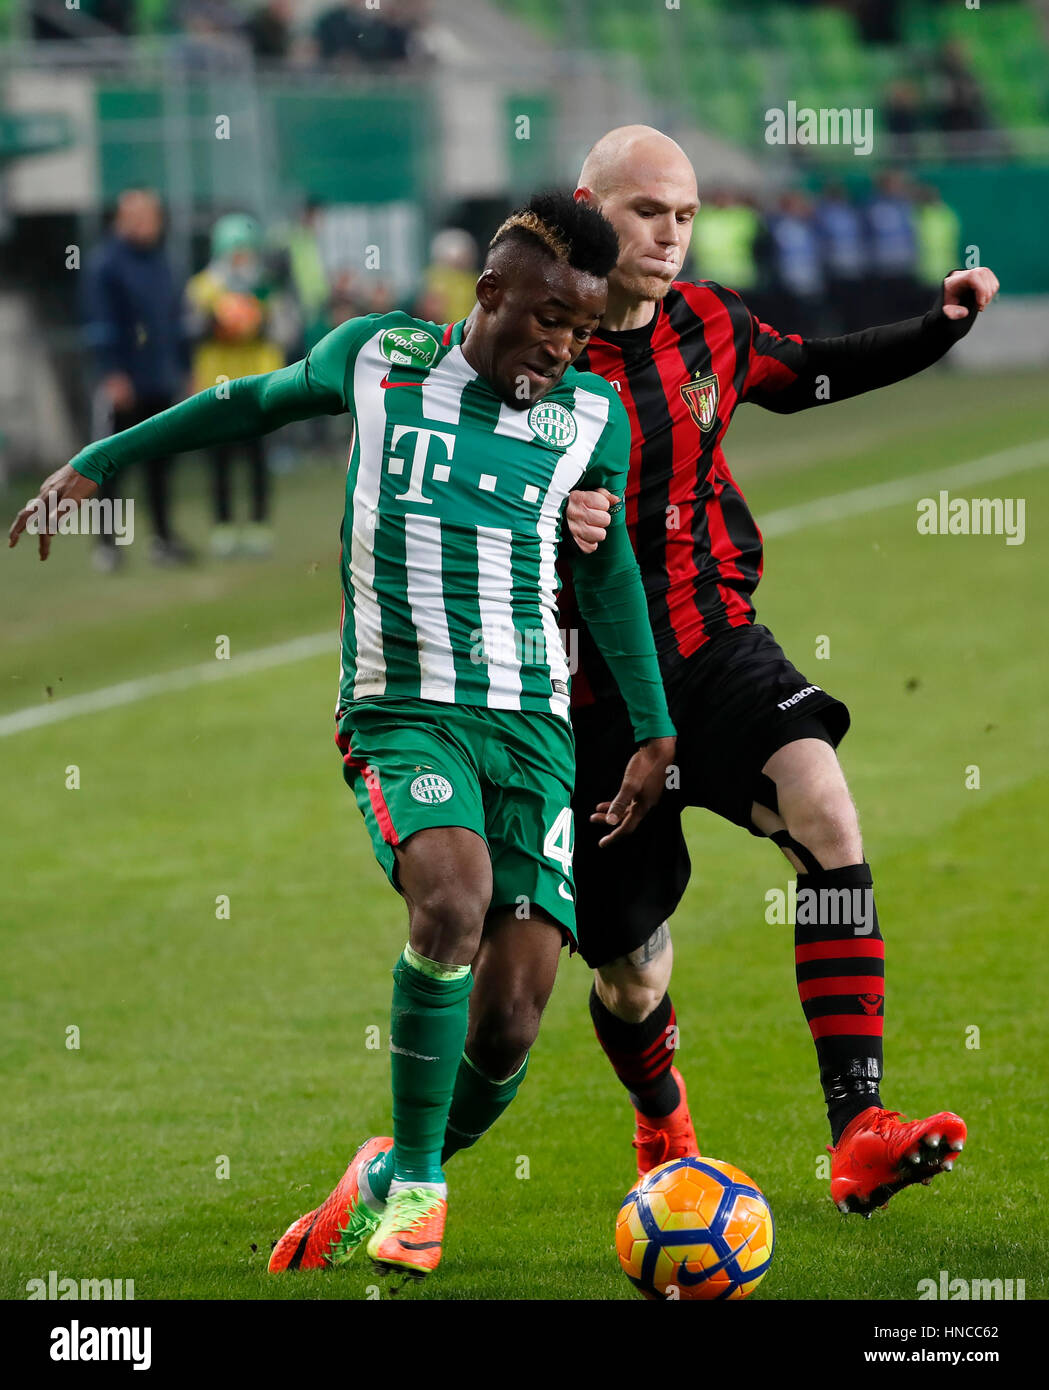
(701, 397)
(408, 347)
(553, 423)
(431, 789)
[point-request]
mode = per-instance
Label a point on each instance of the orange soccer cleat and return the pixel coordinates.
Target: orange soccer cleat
(879, 1154)
(671, 1136)
(408, 1238)
(329, 1235)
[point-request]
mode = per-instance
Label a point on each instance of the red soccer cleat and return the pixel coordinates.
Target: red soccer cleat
(670, 1136)
(879, 1154)
(329, 1235)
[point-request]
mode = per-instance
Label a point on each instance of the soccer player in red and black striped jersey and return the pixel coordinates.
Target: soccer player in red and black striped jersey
(756, 739)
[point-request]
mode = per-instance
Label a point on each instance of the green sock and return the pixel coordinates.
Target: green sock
(431, 1004)
(477, 1103)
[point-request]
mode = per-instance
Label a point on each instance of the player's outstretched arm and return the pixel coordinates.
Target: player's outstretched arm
(64, 485)
(231, 410)
(789, 374)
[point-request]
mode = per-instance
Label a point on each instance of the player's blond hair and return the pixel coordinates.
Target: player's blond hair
(532, 222)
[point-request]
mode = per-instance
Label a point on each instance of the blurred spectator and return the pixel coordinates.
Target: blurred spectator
(939, 231)
(351, 31)
(903, 117)
(959, 102)
(229, 314)
(878, 20)
(347, 300)
(797, 266)
(307, 274)
(893, 250)
(133, 329)
(381, 298)
(724, 241)
(268, 30)
(839, 227)
(450, 278)
(53, 19)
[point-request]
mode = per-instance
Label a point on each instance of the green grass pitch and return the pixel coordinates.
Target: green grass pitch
(202, 1038)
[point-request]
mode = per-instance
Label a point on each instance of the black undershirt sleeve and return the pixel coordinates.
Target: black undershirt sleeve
(859, 362)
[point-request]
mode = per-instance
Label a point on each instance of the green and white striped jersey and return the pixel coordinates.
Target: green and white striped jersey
(453, 516)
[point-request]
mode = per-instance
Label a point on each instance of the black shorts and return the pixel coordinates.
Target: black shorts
(734, 704)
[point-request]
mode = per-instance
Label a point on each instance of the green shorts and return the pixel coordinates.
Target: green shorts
(505, 774)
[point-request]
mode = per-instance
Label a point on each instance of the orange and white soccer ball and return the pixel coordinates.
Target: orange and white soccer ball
(695, 1228)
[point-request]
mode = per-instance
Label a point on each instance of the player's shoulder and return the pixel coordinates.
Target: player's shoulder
(588, 384)
(701, 295)
(594, 397)
(400, 338)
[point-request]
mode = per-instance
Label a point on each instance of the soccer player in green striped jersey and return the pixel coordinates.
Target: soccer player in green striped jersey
(452, 712)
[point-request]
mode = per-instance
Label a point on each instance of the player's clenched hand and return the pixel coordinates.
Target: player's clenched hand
(588, 516)
(982, 282)
(64, 484)
(643, 783)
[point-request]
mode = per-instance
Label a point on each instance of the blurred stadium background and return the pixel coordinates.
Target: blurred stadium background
(351, 127)
(319, 159)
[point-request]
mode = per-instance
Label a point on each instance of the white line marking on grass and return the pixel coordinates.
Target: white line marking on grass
(897, 490)
(858, 502)
(130, 692)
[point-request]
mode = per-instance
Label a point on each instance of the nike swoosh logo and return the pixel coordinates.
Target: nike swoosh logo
(388, 385)
(419, 1244)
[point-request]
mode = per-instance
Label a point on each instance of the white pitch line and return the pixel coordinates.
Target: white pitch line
(861, 500)
(843, 504)
(130, 692)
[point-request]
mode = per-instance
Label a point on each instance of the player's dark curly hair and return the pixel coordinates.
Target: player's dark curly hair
(571, 231)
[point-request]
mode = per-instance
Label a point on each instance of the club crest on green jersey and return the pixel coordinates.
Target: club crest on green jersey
(408, 347)
(553, 423)
(431, 789)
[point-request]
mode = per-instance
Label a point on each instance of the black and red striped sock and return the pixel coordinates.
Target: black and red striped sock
(839, 958)
(641, 1054)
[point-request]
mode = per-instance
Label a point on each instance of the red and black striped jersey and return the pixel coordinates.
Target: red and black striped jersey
(681, 378)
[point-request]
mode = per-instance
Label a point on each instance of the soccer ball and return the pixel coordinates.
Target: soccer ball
(695, 1228)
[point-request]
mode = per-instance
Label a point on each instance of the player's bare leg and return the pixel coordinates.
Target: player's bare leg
(839, 956)
(635, 1024)
(445, 875)
(513, 971)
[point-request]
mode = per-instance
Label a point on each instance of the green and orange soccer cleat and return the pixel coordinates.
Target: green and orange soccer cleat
(408, 1238)
(671, 1136)
(328, 1236)
(879, 1153)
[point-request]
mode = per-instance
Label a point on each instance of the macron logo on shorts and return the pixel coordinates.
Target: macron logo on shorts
(431, 789)
(808, 690)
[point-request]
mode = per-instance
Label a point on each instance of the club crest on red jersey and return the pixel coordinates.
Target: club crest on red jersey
(701, 397)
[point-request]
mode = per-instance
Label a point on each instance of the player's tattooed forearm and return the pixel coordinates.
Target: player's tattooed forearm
(653, 947)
